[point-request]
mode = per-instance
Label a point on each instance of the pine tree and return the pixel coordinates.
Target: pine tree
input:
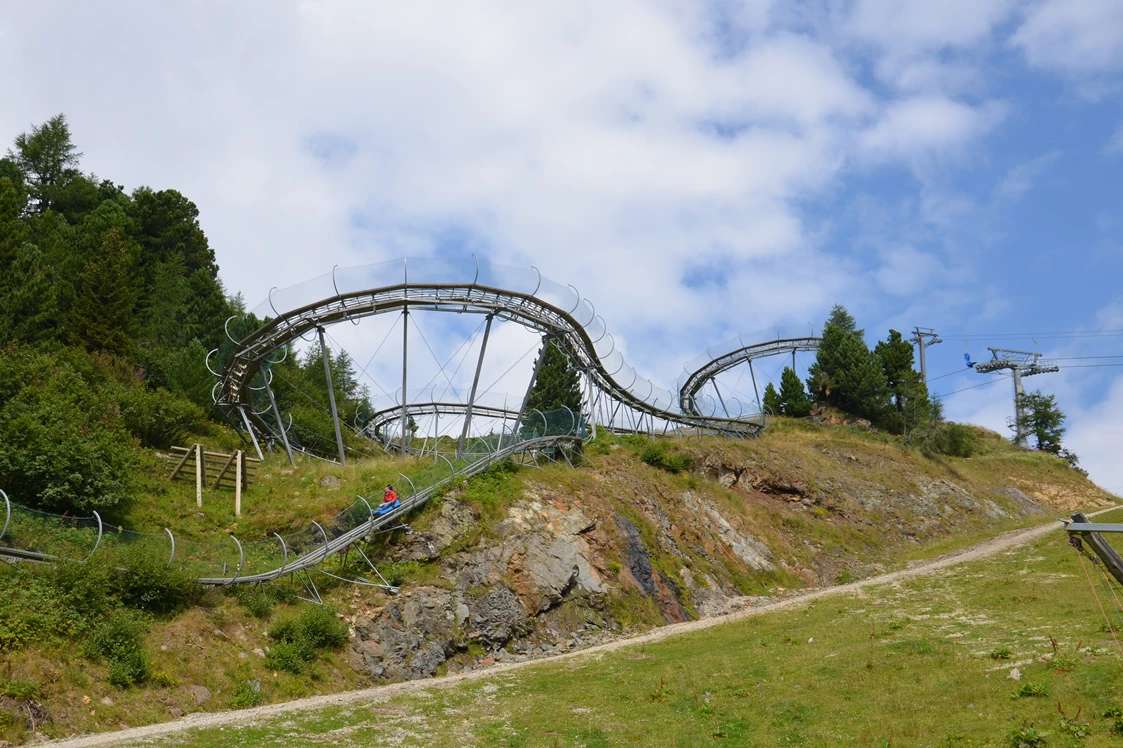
(846, 374)
(48, 158)
(102, 315)
(773, 405)
(558, 384)
(793, 399)
(906, 389)
(1041, 418)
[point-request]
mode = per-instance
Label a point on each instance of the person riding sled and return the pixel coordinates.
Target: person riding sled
(389, 500)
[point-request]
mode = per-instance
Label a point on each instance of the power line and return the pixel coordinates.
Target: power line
(975, 386)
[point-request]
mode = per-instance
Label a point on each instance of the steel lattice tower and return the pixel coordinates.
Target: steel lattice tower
(1022, 364)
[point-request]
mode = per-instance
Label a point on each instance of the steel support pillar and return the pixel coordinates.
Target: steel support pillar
(756, 392)
(472, 394)
(331, 398)
(405, 370)
(530, 387)
(1019, 414)
(277, 416)
(720, 399)
(249, 428)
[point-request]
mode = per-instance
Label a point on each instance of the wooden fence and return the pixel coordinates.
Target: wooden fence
(213, 469)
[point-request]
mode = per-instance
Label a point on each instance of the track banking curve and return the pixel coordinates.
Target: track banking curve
(457, 286)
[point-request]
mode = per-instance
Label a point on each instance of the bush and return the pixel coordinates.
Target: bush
(63, 445)
(653, 453)
(950, 439)
(148, 584)
(118, 641)
(298, 639)
(157, 417)
(678, 462)
(257, 602)
(290, 656)
(247, 694)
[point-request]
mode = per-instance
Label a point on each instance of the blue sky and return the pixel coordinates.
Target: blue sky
(696, 169)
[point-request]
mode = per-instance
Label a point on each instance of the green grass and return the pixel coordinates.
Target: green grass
(908, 664)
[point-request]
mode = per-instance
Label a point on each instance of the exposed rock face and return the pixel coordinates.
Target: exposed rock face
(409, 638)
(654, 583)
(754, 553)
(455, 518)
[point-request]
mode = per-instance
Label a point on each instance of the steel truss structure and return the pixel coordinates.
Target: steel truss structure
(616, 396)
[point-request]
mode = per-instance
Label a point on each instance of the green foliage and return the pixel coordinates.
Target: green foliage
(907, 391)
(247, 693)
(20, 690)
(48, 158)
(794, 401)
(773, 405)
(1029, 690)
(846, 374)
(158, 418)
(298, 639)
(118, 642)
(656, 454)
(1026, 736)
(62, 442)
(558, 384)
(102, 317)
(1041, 418)
(949, 439)
(146, 583)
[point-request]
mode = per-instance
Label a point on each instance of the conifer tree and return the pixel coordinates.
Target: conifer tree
(558, 384)
(908, 394)
(48, 159)
(1043, 420)
(846, 374)
(102, 315)
(773, 405)
(793, 398)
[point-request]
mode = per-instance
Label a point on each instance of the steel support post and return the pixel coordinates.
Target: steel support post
(530, 387)
(277, 416)
(720, 399)
(1019, 415)
(756, 392)
(405, 370)
(331, 398)
(472, 395)
(249, 428)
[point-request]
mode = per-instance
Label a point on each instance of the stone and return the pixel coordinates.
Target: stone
(175, 711)
(259, 652)
(255, 685)
(754, 553)
(202, 694)
(419, 619)
(496, 616)
(107, 701)
(425, 663)
(330, 482)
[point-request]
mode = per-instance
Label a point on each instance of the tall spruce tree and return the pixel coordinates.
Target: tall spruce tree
(773, 404)
(1043, 420)
(907, 392)
(793, 399)
(102, 316)
(558, 384)
(846, 374)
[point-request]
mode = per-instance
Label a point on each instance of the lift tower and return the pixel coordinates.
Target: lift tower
(1022, 364)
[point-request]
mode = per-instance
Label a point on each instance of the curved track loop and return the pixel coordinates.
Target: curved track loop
(377, 423)
(445, 285)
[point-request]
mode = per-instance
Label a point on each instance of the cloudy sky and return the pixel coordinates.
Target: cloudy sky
(696, 169)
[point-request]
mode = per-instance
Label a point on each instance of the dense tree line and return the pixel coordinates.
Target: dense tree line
(109, 301)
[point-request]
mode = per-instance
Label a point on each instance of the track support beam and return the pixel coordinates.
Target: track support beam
(331, 400)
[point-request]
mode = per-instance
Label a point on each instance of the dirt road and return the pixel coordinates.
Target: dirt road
(383, 693)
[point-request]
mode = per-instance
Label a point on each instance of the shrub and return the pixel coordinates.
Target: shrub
(157, 417)
(1026, 737)
(290, 656)
(118, 641)
(62, 442)
(257, 602)
(247, 694)
(20, 690)
(298, 639)
(678, 462)
(147, 583)
(1027, 690)
(653, 453)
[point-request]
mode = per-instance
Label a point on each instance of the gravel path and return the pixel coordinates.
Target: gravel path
(383, 693)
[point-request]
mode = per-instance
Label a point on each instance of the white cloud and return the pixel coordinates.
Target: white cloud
(921, 128)
(1020, 180)
(1115, 142)
(907, 271)
(1073, 36)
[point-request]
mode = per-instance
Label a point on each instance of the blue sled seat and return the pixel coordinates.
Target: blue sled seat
(384, 508)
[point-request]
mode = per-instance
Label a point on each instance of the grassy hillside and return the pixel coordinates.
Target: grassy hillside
(1007, 651)
(828, 504)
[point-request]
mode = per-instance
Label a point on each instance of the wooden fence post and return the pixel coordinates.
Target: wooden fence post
(199, 472)
(238, 484)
